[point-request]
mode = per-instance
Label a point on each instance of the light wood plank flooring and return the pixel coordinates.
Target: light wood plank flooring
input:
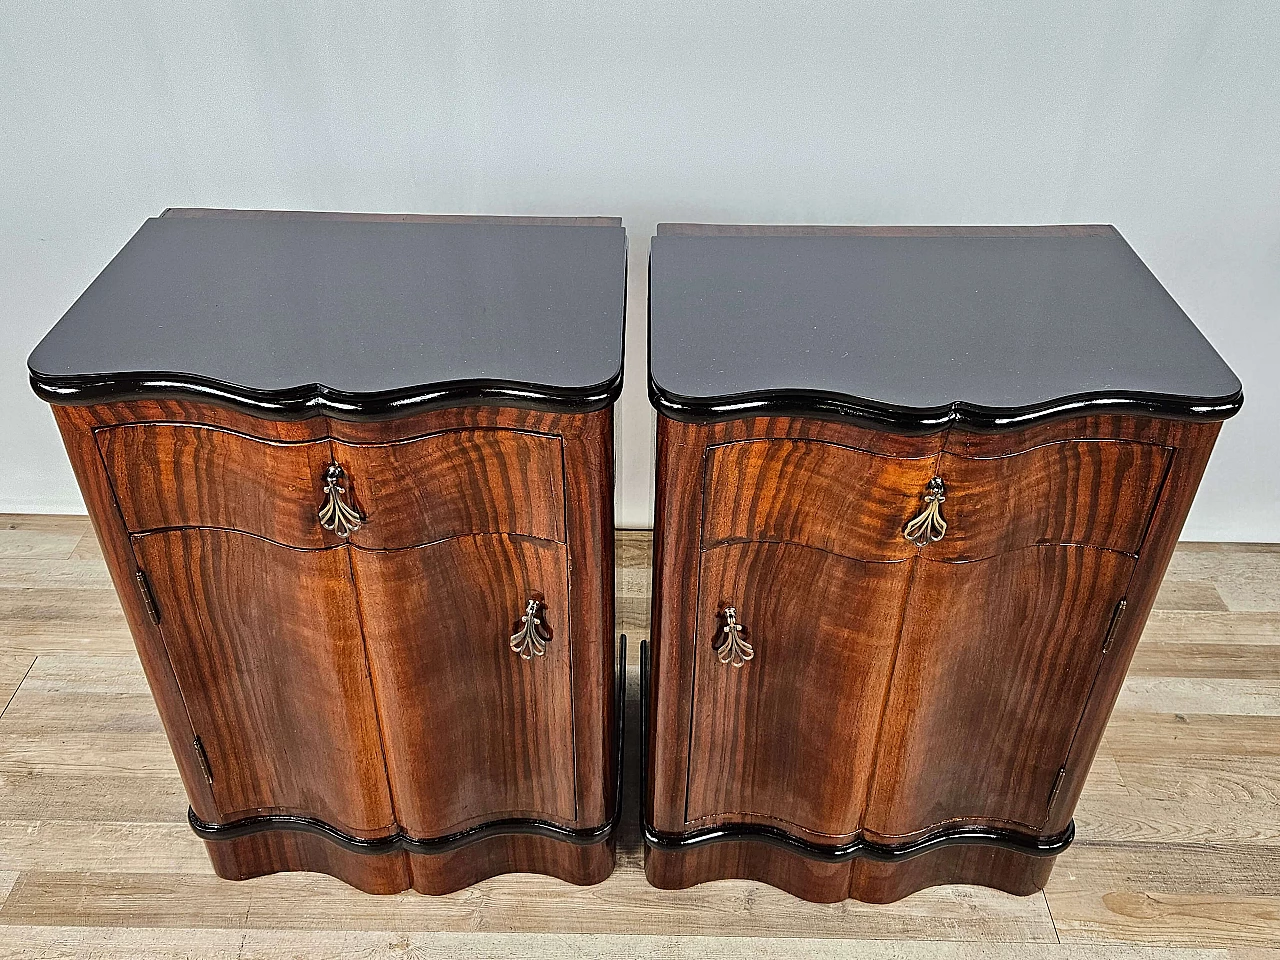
(1178, 854)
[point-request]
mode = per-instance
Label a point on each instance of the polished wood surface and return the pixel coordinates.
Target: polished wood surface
(279, 630)
(414, 491)
(1176, 858)
(265, 642)
(994, 664)
(678, 523)
(456, 483)
(192, 475)
(864, 880)
(921, 328)
(788, 491)
(788, 737)
(1001, 646)
(1097, 493)
(473, 732)
(295, 315)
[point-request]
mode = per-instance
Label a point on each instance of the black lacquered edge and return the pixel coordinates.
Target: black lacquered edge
(315, 399)
(925, 420)
(1003, 838)
(248, 826)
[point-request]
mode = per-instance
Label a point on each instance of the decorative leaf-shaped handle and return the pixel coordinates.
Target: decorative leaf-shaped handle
(531, 639)
(732, 647)
(336, 515)
(929, 527)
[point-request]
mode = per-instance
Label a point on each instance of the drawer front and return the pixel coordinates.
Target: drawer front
(188, 475)
(455, 484)
(1097, 493)
(432, 488)
(815, 494)
(789, 735)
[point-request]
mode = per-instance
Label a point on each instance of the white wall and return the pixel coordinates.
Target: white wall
(1161, 117)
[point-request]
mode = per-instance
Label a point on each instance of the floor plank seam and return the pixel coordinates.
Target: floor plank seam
(18, 686)
(1048, 908)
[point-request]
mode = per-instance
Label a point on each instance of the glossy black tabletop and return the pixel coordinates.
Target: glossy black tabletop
(916, 328)
(297, 314)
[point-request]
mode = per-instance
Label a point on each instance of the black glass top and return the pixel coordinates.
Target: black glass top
(296, 314)
(919, 327)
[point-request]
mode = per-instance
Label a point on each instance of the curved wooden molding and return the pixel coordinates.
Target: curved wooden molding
(316, 399)
(917, 421)
(248, 826)
(1012, 840)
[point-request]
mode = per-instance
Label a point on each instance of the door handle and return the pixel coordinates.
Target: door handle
(530, 640)
(733, 647)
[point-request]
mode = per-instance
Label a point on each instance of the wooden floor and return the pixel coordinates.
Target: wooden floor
(1178, 844)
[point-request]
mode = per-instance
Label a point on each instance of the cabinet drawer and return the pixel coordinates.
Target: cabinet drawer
(812, 493)
(424, 490)
(1097, 493)
(186, 475)
(456, 484)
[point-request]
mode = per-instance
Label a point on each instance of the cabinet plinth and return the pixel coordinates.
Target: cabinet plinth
(939, 599)
(327, 606)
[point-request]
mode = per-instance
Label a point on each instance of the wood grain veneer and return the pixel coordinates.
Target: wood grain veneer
(454, 700)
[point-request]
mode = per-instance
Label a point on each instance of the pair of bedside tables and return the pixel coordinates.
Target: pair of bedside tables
(353, 476)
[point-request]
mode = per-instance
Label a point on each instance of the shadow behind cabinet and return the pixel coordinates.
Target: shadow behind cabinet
(896, 595)
(377, 621)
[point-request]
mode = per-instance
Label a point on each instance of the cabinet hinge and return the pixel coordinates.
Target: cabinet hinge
(148, 599)
(1114, 626)
(203, 758)
(1057, 782)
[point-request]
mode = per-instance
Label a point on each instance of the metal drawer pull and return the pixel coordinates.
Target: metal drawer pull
(733, 648)
(929, 527)
(336, 515)
(531, 639)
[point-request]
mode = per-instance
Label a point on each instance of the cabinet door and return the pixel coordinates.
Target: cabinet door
(789, 736)
(473, 731)
(996, 661)
(265, 642)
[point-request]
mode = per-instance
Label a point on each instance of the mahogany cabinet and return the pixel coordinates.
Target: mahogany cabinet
(916, 490)
(353, 477)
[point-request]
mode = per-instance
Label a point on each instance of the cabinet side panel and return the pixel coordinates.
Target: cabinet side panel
(588, 526)
(1192, 444)
(76, 425)
(675, 589)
